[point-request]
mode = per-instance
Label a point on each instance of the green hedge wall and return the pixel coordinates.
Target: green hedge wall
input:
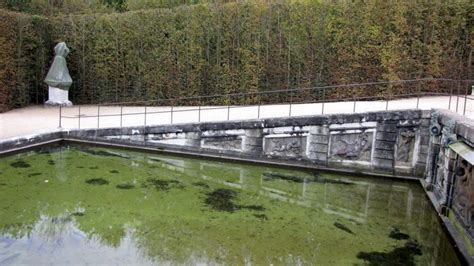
(236, 47)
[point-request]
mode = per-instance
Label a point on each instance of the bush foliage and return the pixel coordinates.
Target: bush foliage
(254, 46)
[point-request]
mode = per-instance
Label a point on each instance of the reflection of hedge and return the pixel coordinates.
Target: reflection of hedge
(236, 47)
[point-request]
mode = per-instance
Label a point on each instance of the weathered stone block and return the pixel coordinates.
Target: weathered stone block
(319, 130)
(386, 136)
(193, 135)
(384, 154)
(450, 164)
(317, 156)
(386, 127)
(252, 141)
(425, 122)
(424, 139)
(423, 149)
(318, 139)
(422, 158)
(257, 150)
(450, 154)
(318, 148)
(385, 145)
(254, 132)
(383, 163)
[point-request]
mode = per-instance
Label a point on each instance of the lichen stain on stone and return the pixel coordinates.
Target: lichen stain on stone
(396, 234)
(97, 181)
(125, 186)
(398, 256)
(20, 164)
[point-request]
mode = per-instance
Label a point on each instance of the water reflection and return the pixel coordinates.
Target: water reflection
(306, 217)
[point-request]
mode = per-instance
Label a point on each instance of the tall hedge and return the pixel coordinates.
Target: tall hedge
(248, 46)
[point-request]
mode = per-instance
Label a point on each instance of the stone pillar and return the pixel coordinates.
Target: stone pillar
(448, 174)
(432, 160)
(193, 139)
(317, 143)
(385, 142)
(252, 142)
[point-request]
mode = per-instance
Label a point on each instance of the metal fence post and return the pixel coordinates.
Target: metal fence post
(171, 115)
(324, 100)
(60, 115)
(418, 98)
(450, 95)
(457, 97)
(121, 115)
(291, 101)
(199, 113)
(145, 117)
(228, 112)
(465, 99)
(258, 111)
(98, 116)
(79, 117)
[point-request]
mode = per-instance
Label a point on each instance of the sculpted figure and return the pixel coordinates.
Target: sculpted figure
(58, 78)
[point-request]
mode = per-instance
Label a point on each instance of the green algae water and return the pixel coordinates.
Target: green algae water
(89, 205)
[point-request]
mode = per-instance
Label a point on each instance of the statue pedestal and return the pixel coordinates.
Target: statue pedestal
(58, 97)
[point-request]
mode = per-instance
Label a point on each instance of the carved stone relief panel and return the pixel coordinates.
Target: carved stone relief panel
(405, 146)
(439, 182)
(463, 198)
(283, 146)
(355, 145)
(223, 143)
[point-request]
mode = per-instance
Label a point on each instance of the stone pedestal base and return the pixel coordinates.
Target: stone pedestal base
(58, 97)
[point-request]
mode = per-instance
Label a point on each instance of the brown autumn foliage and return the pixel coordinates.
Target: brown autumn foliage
(248, 47)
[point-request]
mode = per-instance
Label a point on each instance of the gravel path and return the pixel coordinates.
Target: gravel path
(38, 119)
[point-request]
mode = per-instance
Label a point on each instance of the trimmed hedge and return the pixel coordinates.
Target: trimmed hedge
(236, 47)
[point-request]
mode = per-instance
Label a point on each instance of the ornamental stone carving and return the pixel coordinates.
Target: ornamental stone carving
(351, 146)
(405, 145)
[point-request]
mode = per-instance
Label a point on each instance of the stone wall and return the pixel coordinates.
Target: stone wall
(392, 143)
(449, 177)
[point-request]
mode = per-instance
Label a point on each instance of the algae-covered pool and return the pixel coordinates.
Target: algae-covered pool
(88, 205)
